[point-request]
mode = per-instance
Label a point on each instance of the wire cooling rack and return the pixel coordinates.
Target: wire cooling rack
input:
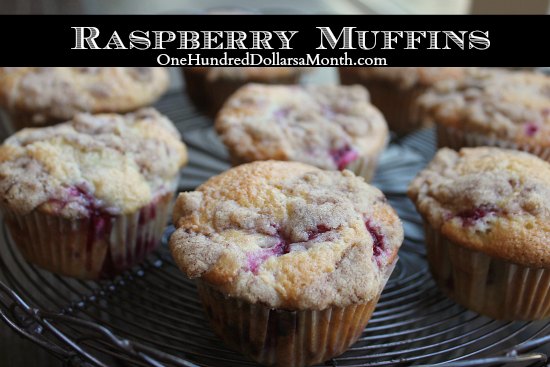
(151, 316)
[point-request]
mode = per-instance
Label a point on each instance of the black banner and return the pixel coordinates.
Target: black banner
(271, 40)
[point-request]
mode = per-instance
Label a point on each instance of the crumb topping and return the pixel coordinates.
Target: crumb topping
(61, 92)
(114, 162)
(492, 200)
(288, 235)
(326, 126)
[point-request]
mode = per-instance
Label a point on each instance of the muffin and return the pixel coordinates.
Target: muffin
(209, 87)
(290, 259)
(330, 127)
(487, 221)
(492, 108)
(90, 197)
(394, 90)
(35, 97)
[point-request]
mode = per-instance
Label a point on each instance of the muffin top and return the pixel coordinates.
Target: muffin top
(407, 77)
(488, 199)
(108, 162)
(256, 74)
(59, 93)
(509, 105)
(326, 126)
(287, 235)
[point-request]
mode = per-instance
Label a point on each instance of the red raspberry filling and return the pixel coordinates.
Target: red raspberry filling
(256, 258)
(343, 156)
(378, 241)
(531, 128)
(470, 217)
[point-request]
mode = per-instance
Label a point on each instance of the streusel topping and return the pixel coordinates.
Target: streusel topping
(61, 92)
(114, 162)
(288, 235)
(406, 77)
(489, 199)
(326, 126)
(509, 105)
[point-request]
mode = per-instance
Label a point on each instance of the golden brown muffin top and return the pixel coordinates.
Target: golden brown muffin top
(60, 92)
(116, 163)
(513, 106)
(488, 199)
(407, 77)
(287, 235)
(326, 126)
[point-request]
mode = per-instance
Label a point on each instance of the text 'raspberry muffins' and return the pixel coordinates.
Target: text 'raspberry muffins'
(330, 127)
(394, 90)
(209, 87)
(492, 108)
(290, 259)
(487, 221)
(90, 197)
(34, 97)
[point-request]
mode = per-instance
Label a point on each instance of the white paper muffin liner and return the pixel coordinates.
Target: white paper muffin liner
(286, 338)
(490, 286)
(364, 167)
(455, 138)
(89, 248)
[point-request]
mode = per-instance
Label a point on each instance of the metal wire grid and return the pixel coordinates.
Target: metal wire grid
(151, 316)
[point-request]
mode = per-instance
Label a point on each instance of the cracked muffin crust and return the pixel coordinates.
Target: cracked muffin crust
(38, 96)
(287, 235)
(326, 126)
(509, 105)
(118, 162)
(490, 200)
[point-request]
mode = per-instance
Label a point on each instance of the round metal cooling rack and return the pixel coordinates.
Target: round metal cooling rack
(151, 316)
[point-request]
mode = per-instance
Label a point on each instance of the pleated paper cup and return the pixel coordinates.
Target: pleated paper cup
(364, 167)
(89, 248)
(13, 121)
(493, 287)
(397, 104)
(456, 138)
(284, 338)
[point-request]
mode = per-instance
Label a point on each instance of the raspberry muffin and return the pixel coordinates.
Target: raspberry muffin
(209, 87)
(290, 259)
(487, 219)
(394, 90)
(492, 108)
(330, 127)
(34, 97)
(90, 197)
